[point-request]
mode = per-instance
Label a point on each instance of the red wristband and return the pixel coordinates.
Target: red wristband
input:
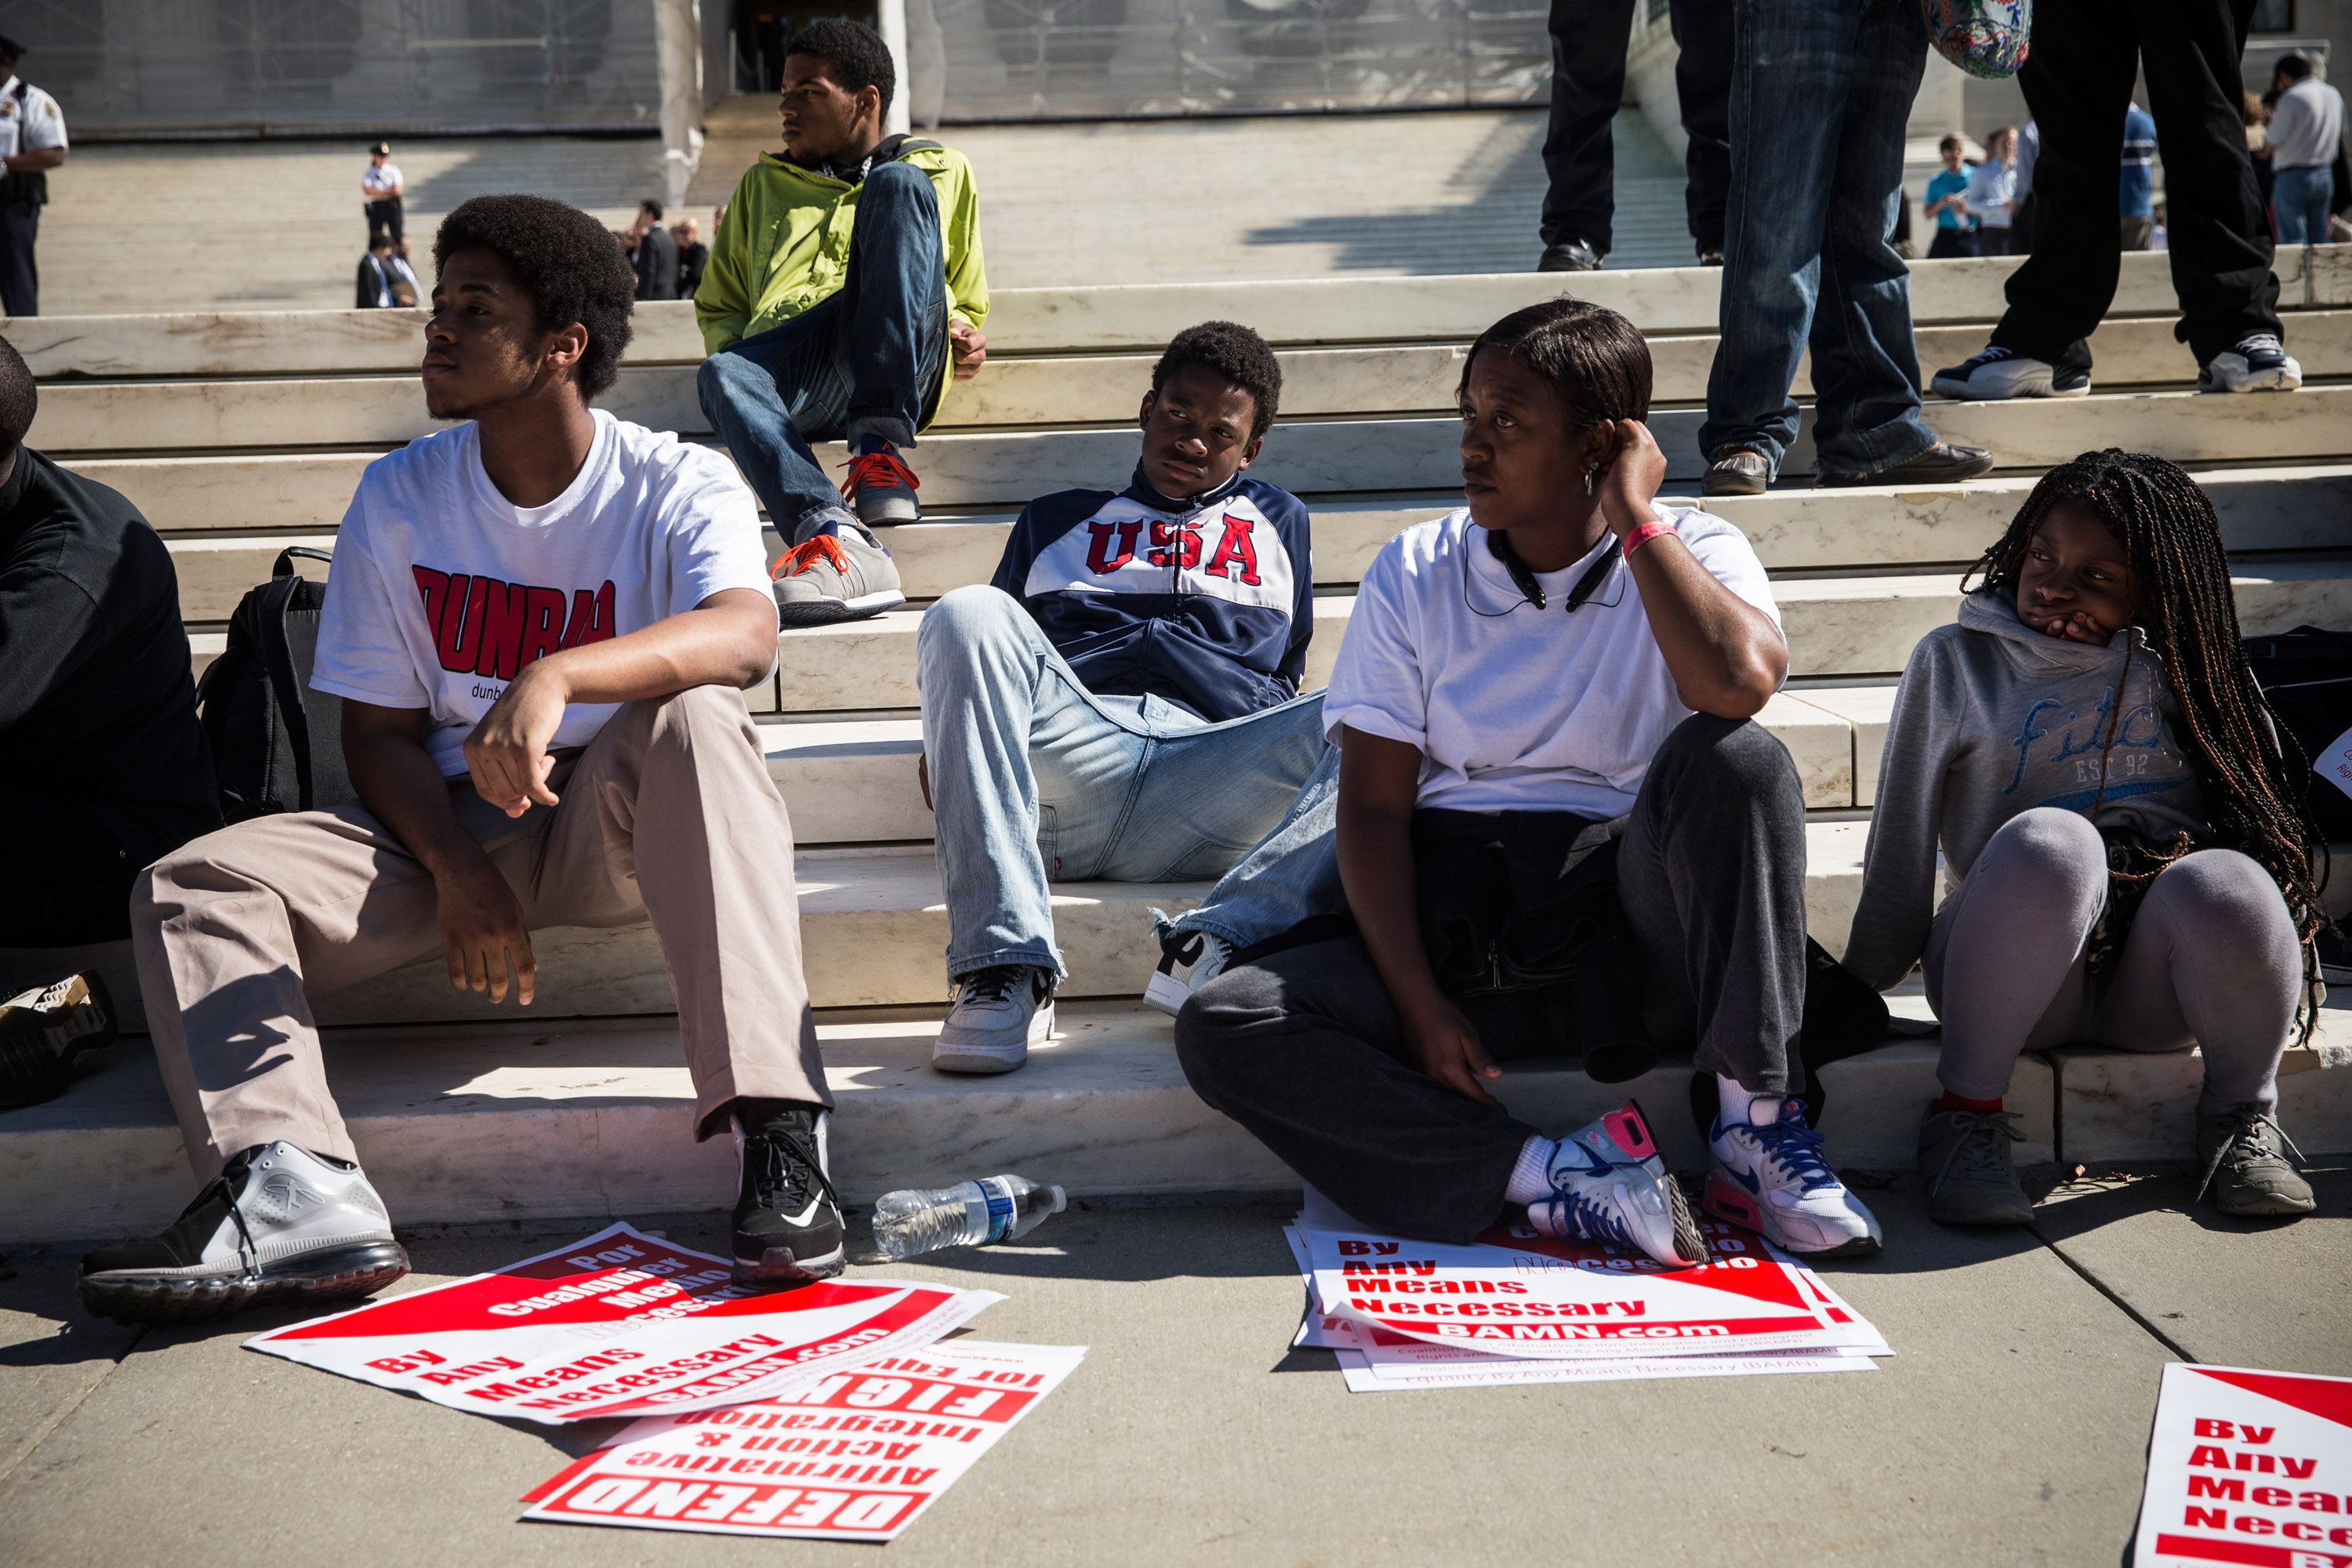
(1643, 534)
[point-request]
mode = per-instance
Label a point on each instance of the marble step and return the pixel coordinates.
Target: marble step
(1835, 625)
(1096, 389)
(1133, 317)
(1792, 529)
(492, 1122)
(1325, 458)
(873, 933)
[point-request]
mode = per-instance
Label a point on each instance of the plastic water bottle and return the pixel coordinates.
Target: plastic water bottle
(972, 1213)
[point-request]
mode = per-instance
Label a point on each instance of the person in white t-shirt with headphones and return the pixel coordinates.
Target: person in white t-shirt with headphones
(32, 143)
(538, 627)
(1559, 832)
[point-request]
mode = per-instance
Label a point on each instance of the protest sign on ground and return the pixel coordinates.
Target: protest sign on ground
(2247, 1467)
(1374, 1359)
(856, 1456)
(621, 1323)
(1515, 1292)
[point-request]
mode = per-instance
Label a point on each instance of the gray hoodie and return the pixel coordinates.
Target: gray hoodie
(1992, 719)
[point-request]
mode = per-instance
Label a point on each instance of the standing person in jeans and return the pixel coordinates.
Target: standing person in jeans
(1589, 38)
(2305, 131)
(1545, 848)
(1992, 192)
(843, 277)
(1122, 701)
(1947, 202)
(540, 625)
(1821, 90)
(2078, 81)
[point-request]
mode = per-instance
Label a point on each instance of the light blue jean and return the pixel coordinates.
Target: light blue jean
(1036, 780)
(1289, 876)
(2299, 203)
(1820, 92)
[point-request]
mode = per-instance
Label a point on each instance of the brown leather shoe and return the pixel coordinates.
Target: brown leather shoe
(1736, 472)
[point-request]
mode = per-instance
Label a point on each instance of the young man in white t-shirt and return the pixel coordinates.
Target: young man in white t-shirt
(1559, 832)
(538, 627)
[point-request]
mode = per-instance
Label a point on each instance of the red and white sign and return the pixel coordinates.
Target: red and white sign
(621, 1323)
(2250, 1468)
(857, 1457)
(1514, 1292)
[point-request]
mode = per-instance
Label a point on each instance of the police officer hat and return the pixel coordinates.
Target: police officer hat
(10, 49)
(383, 148)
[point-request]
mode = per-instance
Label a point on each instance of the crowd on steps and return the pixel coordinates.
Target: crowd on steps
(1533, 813)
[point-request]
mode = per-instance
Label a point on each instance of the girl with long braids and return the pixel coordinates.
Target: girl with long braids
(2133, 864)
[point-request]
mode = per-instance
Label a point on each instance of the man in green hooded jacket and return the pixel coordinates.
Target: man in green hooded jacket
(843, 286)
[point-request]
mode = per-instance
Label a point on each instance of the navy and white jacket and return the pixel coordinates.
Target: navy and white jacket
(1207, 603)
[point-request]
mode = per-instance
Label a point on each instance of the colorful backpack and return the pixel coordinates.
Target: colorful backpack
(1983, 38)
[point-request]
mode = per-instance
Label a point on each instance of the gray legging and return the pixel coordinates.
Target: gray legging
(2211, 961)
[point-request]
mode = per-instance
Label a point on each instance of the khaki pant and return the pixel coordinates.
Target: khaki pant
(668, 812)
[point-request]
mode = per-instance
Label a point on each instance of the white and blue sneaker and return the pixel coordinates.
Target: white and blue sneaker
(1774, 1181)
(1993, 374)
(2258, 363)
(1609, 1184)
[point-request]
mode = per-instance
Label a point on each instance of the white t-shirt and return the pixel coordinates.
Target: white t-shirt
(32, 126)
(1517, 709)
(444, 590)
(379, 179)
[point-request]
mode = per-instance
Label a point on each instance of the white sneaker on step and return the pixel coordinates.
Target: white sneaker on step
(1188, 961)
(998, 1014)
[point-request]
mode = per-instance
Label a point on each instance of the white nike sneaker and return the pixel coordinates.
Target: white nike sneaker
(1610, 1185)
(1188, 961)
(2258, 363)
(998, 1014)
(1773, 1181)
(1993, 373)
(278, 1222)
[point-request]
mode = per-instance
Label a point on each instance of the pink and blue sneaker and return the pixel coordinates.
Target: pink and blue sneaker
(1610, 1185)
(1774, 1181)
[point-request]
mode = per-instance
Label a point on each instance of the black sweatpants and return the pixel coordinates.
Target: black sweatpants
(1304, 1047)
(1588, 87)
(2078, 81)
(20, 274)
(66, 877)
(384, 218)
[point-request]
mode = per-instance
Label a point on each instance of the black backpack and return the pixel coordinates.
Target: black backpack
(277, 744)
(2306, 674)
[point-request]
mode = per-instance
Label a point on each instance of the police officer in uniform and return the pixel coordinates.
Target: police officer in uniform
(380, 189)
(32, 143)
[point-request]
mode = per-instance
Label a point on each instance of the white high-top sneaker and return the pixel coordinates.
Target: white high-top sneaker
(278, 1222)
(1188, 961)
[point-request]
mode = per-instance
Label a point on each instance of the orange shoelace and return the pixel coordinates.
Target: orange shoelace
(881, 469)
(808, 552)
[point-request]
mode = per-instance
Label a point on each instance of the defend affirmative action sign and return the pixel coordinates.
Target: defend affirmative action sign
(622, 1323)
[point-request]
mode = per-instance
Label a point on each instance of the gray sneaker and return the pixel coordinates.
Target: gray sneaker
(838, 571)
(1736, 472)
(1964, 1157)
(998, 1014)
(2246, 1168)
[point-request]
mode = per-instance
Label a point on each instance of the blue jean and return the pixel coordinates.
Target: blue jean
(865, 359)
(1287, 877)
(1820, 92)
(2299, 202)
(1036, 780)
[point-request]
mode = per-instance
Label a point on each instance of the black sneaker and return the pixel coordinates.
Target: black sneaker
(1945, 463)
(41, 1032)
(787, 1216)
(278, 1222)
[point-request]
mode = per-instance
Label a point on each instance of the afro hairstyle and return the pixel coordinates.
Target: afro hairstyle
(19, 399)
(854, 54)
(1235, 352)
(566, 260)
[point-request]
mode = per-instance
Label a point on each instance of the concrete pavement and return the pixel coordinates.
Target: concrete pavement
(2009, 1428)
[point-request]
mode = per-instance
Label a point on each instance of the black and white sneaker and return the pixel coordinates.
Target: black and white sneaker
(998, 1014)
(278, 1222)
(44, 1029)
(2259, 363)
(1188, 961)
(787, 1216)
(1993, 374)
